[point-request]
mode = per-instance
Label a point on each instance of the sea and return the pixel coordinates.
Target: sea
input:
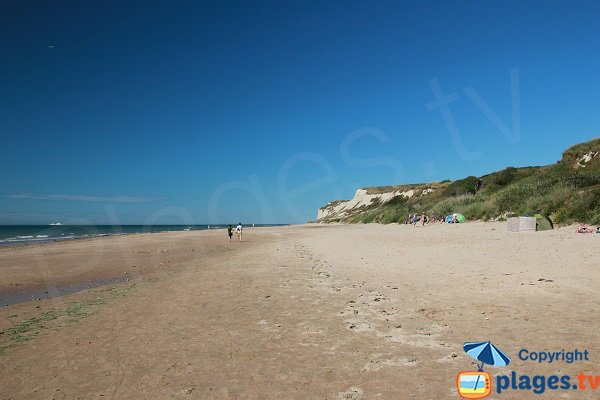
(23, 234)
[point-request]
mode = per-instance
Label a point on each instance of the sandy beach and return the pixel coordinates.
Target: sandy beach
(299, 312)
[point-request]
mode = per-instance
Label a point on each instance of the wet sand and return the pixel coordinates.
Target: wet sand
(301, 312)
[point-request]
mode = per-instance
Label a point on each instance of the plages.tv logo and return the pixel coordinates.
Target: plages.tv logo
(478, 384)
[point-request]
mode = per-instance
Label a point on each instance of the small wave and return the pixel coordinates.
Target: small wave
(19, 239)
(41, 236)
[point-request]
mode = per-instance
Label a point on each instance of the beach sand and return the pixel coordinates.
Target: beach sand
(300, 312)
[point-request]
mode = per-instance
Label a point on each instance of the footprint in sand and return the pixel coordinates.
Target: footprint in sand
(352, 393)
(358, 326)
(376, 365)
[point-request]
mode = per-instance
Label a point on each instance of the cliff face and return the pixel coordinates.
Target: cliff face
(367, 198)
(567, 191)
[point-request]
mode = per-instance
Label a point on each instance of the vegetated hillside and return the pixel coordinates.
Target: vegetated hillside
(568, 191)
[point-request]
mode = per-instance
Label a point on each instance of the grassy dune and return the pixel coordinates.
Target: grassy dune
(568, 191)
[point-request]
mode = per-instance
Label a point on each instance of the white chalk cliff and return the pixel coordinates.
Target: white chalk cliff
(361, 199)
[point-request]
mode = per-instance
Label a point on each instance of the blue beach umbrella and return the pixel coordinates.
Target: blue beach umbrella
(486, 353)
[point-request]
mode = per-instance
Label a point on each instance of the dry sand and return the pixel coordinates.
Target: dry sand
(302, 312)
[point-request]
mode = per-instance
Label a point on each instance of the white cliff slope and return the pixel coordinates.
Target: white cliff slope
(361, 199)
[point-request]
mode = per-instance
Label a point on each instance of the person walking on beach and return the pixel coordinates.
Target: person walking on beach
(423, 218)
(230, 232)
(238, 231)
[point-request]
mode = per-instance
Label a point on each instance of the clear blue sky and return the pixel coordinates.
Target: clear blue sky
(184, 111)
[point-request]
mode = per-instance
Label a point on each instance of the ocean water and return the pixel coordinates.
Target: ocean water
(15, 234)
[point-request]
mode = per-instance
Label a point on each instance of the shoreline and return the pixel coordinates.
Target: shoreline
(33, 238)
(22, 293)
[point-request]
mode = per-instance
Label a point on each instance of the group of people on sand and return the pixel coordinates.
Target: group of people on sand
(588, 229)
(414, 219)
(238, 231)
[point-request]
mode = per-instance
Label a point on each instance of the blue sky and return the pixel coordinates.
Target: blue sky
(195, 112)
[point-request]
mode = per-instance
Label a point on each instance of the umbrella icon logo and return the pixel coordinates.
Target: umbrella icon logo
(477, 384)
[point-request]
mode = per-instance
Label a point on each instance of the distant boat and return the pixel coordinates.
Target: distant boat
(55, 224)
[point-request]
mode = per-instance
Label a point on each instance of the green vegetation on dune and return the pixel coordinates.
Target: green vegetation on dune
(395, 188)
(568, 191)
